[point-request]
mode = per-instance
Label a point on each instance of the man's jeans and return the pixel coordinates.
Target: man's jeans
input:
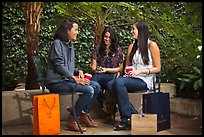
(119, 89)
(85, 101)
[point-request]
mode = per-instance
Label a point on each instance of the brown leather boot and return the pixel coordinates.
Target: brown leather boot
(72, 125)
(86, 120)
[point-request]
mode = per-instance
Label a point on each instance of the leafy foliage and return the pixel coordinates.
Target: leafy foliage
(175, 26)
(13, 45)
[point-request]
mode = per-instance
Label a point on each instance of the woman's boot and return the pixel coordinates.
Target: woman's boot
(72, 125)
(86, 120)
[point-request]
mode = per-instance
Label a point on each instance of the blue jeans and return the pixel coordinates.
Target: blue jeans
(102, 79)
(85, 101)
(119, 89)
(97, 88)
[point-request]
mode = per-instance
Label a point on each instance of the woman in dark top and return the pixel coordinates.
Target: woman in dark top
(107, 60)
(62, 72)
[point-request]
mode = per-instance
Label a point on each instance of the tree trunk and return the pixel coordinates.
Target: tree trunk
(32, 28)
(98, 32)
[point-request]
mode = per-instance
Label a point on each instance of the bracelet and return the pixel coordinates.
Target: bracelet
(148, 71)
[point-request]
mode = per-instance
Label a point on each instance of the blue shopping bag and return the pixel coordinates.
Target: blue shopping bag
(158, 103)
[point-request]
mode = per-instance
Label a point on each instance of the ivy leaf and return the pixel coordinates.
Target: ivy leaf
(184, 79)
(196, 70)
(197, 84)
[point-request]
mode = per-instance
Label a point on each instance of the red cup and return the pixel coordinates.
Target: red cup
(87, 76)
(129, 68)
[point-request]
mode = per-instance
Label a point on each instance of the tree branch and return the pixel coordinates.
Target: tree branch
(108, 12)
(123, 24)
(83, 12)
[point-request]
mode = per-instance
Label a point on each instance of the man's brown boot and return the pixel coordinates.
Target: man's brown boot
(72, 125)
(86, 120)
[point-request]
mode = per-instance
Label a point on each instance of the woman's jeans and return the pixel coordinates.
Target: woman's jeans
(119, 89)
(102, 79)
(85, 101)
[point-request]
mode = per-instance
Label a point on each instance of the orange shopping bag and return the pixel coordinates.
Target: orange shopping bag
(46, 114)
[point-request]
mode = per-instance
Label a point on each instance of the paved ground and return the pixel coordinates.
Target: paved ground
(180, 125)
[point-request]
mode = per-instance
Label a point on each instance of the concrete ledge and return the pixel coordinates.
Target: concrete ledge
(191, 107)
(17, 106)
(169, 88)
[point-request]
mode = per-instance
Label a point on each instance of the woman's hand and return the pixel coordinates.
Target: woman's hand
(129, 73)
(99, 69)
(134, 73)
(126, 73)
(103, 70)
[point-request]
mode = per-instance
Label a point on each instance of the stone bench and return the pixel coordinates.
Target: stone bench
(17, 106)
(191, 107)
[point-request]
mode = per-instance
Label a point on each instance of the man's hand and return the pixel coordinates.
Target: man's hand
(82, 81)
(81, 74)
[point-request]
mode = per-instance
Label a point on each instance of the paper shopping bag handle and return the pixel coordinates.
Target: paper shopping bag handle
(48, 105)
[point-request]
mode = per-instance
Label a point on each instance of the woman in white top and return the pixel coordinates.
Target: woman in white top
(144, 56)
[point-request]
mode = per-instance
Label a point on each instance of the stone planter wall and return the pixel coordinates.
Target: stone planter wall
(168, 87)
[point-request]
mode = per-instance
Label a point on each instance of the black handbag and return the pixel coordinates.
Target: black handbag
(158, 103)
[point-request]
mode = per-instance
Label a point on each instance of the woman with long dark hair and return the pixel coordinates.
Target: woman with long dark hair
(144, 57)
(107, 60)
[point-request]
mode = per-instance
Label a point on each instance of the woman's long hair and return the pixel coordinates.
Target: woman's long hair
(141, 42)
(114, 42)
(65, 25)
